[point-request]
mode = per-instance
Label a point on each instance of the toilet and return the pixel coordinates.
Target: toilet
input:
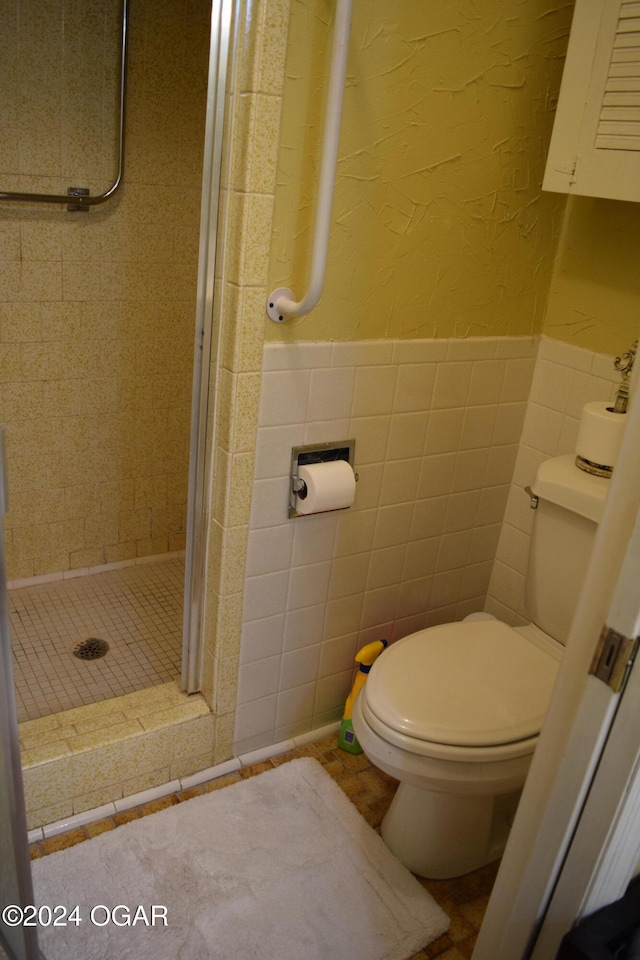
(454, 711)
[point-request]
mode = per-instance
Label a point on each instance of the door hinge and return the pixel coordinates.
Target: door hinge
(613, 658)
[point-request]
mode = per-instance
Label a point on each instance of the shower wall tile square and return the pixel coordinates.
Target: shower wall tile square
(97, 310)
(435, 453)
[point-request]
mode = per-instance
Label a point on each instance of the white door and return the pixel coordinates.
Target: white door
(605, 847)
(15, 872)
(571, 849)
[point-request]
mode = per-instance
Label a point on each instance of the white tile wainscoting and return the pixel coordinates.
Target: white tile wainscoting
(565, 378)
(448, 432)
(436, 425)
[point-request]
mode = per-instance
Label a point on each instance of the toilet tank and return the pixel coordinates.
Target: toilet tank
(570, 506)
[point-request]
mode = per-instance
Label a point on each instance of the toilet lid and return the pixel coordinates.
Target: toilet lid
(473, 684)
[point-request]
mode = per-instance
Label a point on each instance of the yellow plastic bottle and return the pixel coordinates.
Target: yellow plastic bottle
(347, 739)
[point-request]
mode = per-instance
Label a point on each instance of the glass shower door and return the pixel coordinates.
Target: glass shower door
(18, 942)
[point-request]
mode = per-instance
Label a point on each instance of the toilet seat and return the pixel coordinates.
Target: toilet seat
(471, 691)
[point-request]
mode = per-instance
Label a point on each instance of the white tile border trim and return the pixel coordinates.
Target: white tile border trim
(265, 753)
(210, 773)
(76, 820)
(146, 796)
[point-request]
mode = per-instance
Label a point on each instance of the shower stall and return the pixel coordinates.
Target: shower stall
(112, 161)
(128, 390)
(105, 102)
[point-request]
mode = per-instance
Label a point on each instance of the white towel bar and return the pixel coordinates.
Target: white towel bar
(281, 303)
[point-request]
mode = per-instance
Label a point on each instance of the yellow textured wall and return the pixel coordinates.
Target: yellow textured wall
(97, 310)
(439, 224)
(594, 297)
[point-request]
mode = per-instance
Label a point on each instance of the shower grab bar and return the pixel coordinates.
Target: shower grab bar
(281, 303)
(73, 199)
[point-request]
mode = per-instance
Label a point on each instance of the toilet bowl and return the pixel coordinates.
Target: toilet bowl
(461, 752)
(454, 711)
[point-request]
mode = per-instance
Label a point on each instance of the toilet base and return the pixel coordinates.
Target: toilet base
(444, 835)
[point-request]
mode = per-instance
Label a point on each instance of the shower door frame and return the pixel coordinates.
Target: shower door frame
(206, 345)
(16, 887)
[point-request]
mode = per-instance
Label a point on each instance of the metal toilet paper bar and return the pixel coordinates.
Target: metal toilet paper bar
(305, 457)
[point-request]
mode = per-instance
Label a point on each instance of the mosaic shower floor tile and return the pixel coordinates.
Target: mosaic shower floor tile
(136, 609)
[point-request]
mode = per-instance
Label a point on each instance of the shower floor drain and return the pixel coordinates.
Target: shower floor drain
(91, 649)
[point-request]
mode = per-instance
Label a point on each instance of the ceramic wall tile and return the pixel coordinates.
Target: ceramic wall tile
(436, 426)
(374, 391)
(304, 627)
(432, 536)
(269, 550)
(564, 379)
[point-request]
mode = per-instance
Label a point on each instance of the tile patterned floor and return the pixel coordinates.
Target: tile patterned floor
(137, 609)
(371, 791)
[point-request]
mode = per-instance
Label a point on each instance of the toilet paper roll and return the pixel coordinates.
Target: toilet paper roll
(330, 486)
(600, 433)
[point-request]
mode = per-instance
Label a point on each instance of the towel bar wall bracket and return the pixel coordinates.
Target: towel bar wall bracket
(272, 304)
(77, 192)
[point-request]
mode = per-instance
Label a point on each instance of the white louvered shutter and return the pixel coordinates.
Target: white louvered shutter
(595, 146)
(619, 122)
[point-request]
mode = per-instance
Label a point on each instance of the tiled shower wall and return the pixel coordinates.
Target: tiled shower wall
(447, 435)
(437, 425)
(97, 309)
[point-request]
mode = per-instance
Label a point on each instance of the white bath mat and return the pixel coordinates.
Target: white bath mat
(277, 867)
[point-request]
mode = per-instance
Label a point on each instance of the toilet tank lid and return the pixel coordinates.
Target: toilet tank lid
(560, 481)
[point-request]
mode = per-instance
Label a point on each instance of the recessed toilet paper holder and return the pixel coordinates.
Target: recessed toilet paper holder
(316, 453)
